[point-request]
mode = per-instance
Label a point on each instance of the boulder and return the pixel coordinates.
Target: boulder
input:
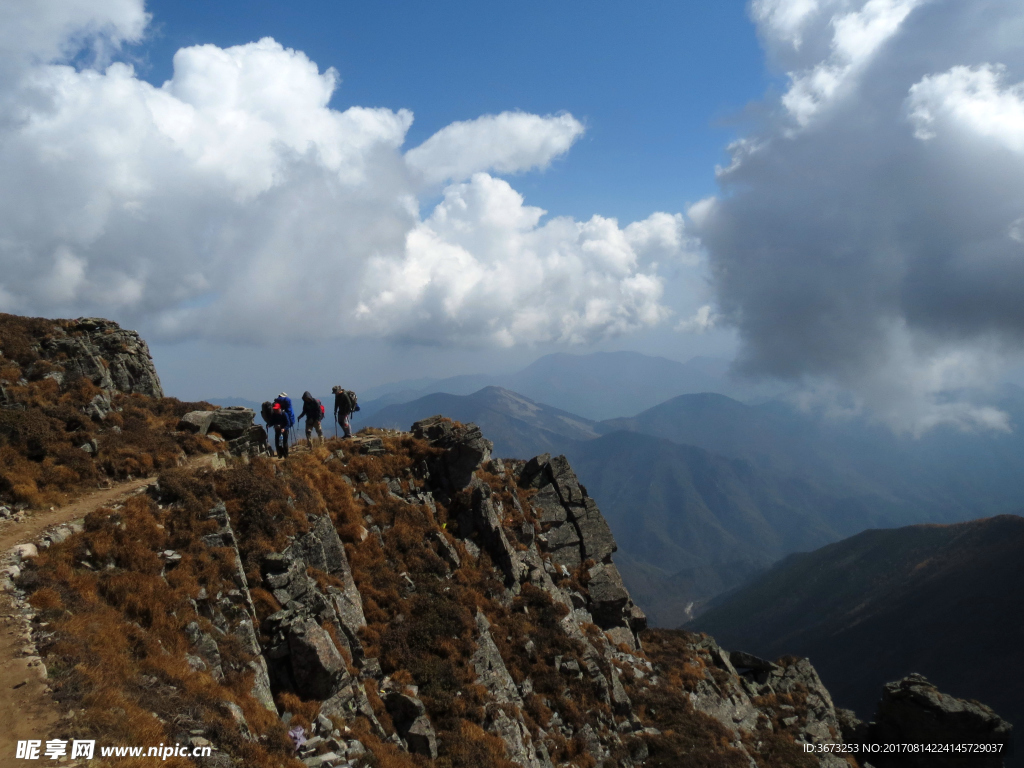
(230, 422)
(197, 422)
(316, 663)
(421, 738)
(464, 445)
(912, 710)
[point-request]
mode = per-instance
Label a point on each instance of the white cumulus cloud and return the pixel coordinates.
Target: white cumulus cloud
(506, 143)
(233, 203)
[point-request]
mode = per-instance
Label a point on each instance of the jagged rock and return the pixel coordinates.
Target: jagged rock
(912, 710)
(563, 543)
(99, 407)
(596, 540)
(322, 549)
(490, 667)
(534, 473)
(315, 661)
(445, 549)
(519, 747)
(548, 505)
(465, 449)
(482, 518)
(621, 703)
(608, 595)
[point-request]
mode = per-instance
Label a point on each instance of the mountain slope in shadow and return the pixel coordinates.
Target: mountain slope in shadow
(941, 600)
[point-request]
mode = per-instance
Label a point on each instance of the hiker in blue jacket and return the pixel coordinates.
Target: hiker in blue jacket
(313, 413)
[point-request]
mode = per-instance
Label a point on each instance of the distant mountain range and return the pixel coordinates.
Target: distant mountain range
(518, 426)
(703, 491)
(941, 600)
(596, 386)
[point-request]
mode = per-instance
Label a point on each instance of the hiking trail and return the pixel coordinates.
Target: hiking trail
(26, 708)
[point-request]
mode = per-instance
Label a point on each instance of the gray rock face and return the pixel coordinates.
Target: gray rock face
(912, 710)
(574, 532)
(465, 449)
(111, 357)
(483, 519)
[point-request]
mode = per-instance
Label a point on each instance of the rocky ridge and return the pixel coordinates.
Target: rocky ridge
(437, 605)
(587, 685)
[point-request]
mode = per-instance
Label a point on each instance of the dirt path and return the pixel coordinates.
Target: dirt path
(26, 709)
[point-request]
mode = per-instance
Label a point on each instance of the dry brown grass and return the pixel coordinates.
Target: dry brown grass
(41, 459)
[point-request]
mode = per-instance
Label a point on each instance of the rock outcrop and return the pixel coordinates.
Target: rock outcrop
(113, 358)
(912, 711)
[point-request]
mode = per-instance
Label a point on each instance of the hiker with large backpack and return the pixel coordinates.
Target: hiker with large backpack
(313, 413)
(345, 404)
(267, 413)
(286, 407)
(279, 421)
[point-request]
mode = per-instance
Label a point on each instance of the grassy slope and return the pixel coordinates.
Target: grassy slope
(41, 459)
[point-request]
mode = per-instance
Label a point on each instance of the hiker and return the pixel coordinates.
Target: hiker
(279, 420)
(313, 412)
(286, 407)
(267, 413)
(345, 404)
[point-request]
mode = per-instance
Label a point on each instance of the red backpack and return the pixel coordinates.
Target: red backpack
(322, 410)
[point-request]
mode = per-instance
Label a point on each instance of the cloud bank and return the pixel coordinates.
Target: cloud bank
(232, 203)
(869, 237)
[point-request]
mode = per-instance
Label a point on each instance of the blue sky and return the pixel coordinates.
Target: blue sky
(661, 86)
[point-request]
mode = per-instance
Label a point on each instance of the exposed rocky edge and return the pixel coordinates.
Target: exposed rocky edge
(111, 357)
(394, 600)
(913, 711)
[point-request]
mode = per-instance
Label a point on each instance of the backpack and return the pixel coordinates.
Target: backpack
(286, 406)
(267, 411)
(345, 400)
(323, 411)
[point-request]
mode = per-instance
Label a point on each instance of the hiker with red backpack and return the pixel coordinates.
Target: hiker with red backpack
(345, 404)
(313, 412)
